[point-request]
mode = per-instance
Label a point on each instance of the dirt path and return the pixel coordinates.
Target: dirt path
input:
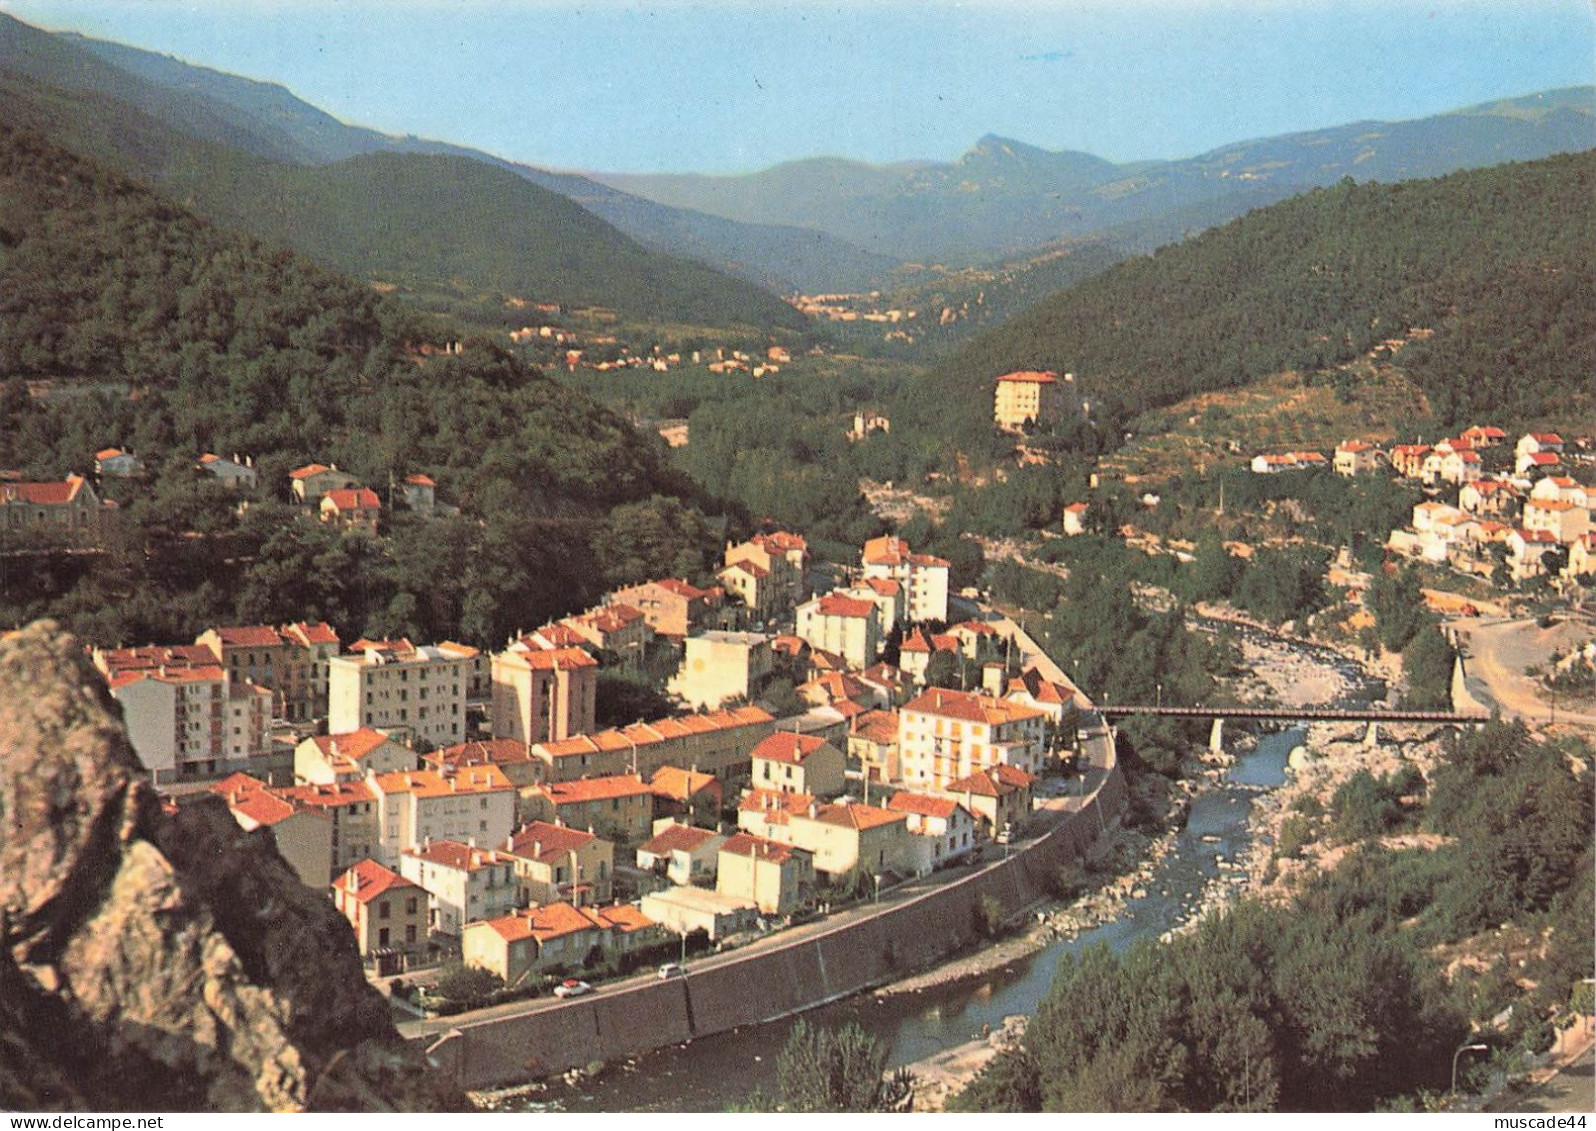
(1498, 653)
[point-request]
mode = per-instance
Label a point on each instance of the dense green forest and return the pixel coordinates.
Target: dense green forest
(1342, 1000)
(1499, 263)
(199, 340)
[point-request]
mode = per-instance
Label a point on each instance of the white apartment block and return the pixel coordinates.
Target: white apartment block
(463, 883)
(845, 625)
(400, 688)
(191, 722)
(924, 578)
(474, 804)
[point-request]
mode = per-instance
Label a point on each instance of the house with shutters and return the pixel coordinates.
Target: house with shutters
(388, 914)
(559, 864)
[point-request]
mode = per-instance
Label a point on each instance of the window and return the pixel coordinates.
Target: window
(410, 933)
(410, 906)
(382, 937)
(385, 910)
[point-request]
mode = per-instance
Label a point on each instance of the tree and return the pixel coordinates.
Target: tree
(1010, 1081)
(824, 1070)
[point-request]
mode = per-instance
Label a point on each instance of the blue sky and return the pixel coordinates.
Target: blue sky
(678, 85)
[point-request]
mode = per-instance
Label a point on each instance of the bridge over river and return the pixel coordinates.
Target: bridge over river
(1374, 717)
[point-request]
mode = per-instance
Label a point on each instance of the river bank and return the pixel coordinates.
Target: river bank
(1280, 672)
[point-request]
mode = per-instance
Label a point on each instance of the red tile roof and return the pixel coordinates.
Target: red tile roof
(836, 605)
(495, 752)
(308, 634)
(747, 844)
(249, 636)
(970, 707)
(622, 917)
(775, 805)
(371, 879)
(857, 817)
(354, 498)
(545, 843)
(780, 540)
(551, 659)
(997, 781)
(49, 494)
(750, 568)
(594, 789)
(330, 796)
(551, 921)
(784, 746)
(308, 470)
(453, 854)
(923, 804)
(880, 727)
(680, 785)
(353, 745)
(1031, 377)
(677, 838)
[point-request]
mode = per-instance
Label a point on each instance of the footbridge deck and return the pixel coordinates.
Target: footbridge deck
(1294, 714)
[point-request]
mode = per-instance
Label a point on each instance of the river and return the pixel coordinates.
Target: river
(713, 1072)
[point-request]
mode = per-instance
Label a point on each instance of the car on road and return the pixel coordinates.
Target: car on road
(571, 987)
(672, 970)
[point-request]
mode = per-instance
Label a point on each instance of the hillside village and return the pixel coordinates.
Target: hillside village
(464, 805)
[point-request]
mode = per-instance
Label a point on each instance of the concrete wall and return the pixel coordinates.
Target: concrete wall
(769, 983)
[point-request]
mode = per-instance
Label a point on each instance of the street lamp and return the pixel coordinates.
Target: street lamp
(1461, 1050)
(1160, 696)
(877, 877)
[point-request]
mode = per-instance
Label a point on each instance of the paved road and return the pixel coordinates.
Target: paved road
(1572, 1089)
(1497, 652)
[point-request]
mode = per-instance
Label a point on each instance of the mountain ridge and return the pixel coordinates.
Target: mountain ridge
(1106, 195)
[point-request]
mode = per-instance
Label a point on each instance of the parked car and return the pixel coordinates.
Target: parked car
(671, 970)
(572, 988)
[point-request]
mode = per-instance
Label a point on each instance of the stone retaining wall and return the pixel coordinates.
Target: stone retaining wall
(768, 984)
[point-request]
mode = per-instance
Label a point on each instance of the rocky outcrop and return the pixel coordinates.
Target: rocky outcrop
(163, 960)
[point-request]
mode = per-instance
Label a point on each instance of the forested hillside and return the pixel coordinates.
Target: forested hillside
(442, 225)
(1497, 265)
(205, 341)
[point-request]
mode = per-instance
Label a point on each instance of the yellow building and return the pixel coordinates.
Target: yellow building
(945, 735)
(556, 863)
(1028, 398)
(845, 838)
(620, 807)
(774, 877)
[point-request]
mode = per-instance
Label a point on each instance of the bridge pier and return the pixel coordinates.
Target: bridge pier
(1216, 736)
(1371, 737)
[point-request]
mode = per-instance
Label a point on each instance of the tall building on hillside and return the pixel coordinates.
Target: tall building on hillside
(1027, 397)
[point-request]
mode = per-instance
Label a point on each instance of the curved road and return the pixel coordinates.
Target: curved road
(1495, 653)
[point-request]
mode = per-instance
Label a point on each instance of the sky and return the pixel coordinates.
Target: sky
(738, 85)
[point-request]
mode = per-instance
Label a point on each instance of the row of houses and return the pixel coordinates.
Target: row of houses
(1531, 521)
(1456, 461)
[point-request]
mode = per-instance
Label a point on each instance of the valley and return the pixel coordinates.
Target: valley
(688, 595)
